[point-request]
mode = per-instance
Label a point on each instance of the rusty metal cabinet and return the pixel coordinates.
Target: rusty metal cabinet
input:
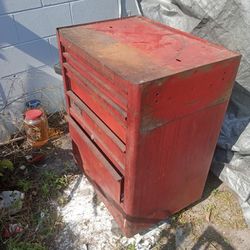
(145, 105)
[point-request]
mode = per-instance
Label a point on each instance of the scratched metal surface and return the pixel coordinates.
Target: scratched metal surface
(141, 50)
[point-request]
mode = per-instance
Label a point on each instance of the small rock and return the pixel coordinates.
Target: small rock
(22, 167)
(164, 241)
(85, 247)
(28, 157)
(12, 201)
(208, 216)
(124, 241)
(138, 239)
(34, 193)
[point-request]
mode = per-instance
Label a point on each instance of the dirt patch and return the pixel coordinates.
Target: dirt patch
(214, 222)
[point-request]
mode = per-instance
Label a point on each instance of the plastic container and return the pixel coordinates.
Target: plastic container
(36, 127)
(33, 104)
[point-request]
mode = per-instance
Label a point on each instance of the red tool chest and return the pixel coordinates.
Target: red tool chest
(145, 105)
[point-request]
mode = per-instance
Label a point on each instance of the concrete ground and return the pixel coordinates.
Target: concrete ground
(214, 222)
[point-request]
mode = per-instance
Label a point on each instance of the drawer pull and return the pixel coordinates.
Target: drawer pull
(77, 108)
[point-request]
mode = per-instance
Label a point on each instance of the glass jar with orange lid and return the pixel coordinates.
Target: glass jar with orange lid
(36, 127)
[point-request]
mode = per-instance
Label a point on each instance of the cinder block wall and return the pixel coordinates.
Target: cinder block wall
(28, 49)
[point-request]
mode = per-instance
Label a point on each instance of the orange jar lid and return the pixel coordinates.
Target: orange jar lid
(33, 114)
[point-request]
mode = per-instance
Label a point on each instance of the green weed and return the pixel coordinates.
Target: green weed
(51, 183)
(14, 245)
(24, 185)
(5, 165)
(131, 247)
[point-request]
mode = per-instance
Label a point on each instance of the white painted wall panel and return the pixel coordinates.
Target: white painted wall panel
(22, 57)
(8, 35)
(9, 6)
(53, 2)
(85, 11)
(42, 81)
(34, 24)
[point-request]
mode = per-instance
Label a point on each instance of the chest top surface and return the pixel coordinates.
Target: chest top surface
(141, 50)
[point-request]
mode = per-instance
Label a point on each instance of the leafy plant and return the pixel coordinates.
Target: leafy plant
(24, 185)
(62, 182)
(131, 247)
(52, 183)
(6, 165)
(45, 190)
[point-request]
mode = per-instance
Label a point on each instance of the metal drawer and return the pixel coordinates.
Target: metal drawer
(107, 111)
(108, 142)
(105, 86)
(95, 165)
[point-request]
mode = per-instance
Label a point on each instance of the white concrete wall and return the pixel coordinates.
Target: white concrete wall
(28, 48)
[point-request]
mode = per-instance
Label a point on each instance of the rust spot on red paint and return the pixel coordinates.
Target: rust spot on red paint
(149, 123)
(223, 98)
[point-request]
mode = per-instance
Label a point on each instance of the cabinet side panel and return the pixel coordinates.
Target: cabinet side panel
(173, 163)
(180, 120)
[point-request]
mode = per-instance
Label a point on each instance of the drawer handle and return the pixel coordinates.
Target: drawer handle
(77, 108)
